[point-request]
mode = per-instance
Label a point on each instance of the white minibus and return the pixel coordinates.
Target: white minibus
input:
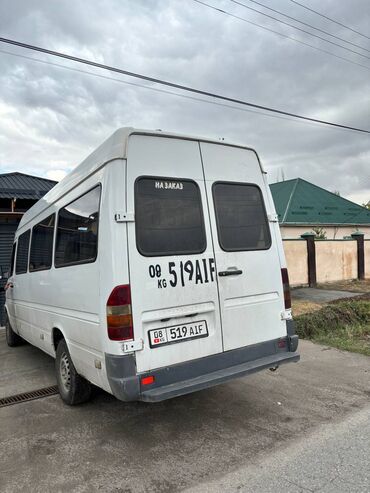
(154, 269)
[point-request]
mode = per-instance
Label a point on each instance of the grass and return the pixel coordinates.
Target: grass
(302, 306)
(353, 285)
(342, 324)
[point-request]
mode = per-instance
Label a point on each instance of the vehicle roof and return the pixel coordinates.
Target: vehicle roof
(115, 147)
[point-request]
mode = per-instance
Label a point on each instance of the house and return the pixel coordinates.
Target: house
(18, 192)
(302, 206)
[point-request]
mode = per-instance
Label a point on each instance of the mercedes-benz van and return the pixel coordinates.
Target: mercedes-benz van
(154, 269)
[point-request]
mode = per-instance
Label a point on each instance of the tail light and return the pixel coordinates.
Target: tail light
(119, 316)
(286, 288)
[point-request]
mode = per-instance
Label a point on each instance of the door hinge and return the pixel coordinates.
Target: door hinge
(124, 217)
(273, 218)
(131, 346)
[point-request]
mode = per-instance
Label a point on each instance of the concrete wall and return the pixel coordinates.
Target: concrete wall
(336, 260)
(296, 257)
(332, 233)
(367, 258)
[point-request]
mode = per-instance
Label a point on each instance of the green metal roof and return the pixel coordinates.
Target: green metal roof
(300, 202)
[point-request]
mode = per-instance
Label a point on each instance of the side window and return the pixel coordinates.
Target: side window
(42, 244)
(22, 253)
(168, 217)
(12, 260)
(77, 230)
(241, 217)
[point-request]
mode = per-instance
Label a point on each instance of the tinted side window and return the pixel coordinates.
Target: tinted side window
(77, 230)
(42, 244)
(241, 217)
(22, 253)
(168, 217)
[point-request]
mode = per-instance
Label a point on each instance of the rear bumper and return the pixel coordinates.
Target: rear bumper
(184, 378)
(214, 378)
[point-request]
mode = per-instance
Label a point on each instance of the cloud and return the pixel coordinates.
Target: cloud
(56, 174)
(51, 117)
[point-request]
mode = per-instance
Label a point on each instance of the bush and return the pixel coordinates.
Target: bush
(333, 317)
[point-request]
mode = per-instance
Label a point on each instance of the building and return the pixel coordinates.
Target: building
(302, 206)
(18, 192)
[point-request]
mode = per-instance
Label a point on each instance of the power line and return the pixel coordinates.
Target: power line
(156, 89)
(164, 91)
(299, 29)
(280, 34)
(175, 85)
(329, 18)
(306, 24)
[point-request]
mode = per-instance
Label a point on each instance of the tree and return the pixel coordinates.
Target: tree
(320, 233)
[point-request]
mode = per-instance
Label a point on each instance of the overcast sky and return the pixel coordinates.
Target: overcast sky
(51, 117)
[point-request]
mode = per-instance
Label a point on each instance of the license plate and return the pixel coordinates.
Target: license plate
(177, 333)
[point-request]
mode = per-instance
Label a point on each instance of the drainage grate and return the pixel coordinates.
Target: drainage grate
(28, 396)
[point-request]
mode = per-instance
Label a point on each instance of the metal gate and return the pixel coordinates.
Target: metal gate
(7, 231)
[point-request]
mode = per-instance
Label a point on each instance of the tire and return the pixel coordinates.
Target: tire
(12, 339)
(73, 388)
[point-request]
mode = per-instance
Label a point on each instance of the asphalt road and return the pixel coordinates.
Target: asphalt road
(292, 430)
(335, 458)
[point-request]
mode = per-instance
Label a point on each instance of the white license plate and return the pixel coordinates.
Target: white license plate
(177, 333)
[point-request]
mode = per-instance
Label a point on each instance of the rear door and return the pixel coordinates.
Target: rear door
(249, 275)
(171, 260)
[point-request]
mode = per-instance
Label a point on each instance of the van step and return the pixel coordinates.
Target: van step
(210, 379)
(28, 396)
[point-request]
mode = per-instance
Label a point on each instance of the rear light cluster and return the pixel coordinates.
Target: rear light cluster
(286, 288)
(119, 316)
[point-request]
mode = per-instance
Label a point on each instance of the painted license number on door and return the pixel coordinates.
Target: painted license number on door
(177, 333)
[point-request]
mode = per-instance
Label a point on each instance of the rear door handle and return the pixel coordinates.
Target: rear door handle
(225, 273)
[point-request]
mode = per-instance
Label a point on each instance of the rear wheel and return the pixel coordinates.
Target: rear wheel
(12, 339)
(73, 388)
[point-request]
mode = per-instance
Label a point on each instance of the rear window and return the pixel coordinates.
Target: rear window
(22, 253)
(241, 217)
(169, 217)
(42, 244)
